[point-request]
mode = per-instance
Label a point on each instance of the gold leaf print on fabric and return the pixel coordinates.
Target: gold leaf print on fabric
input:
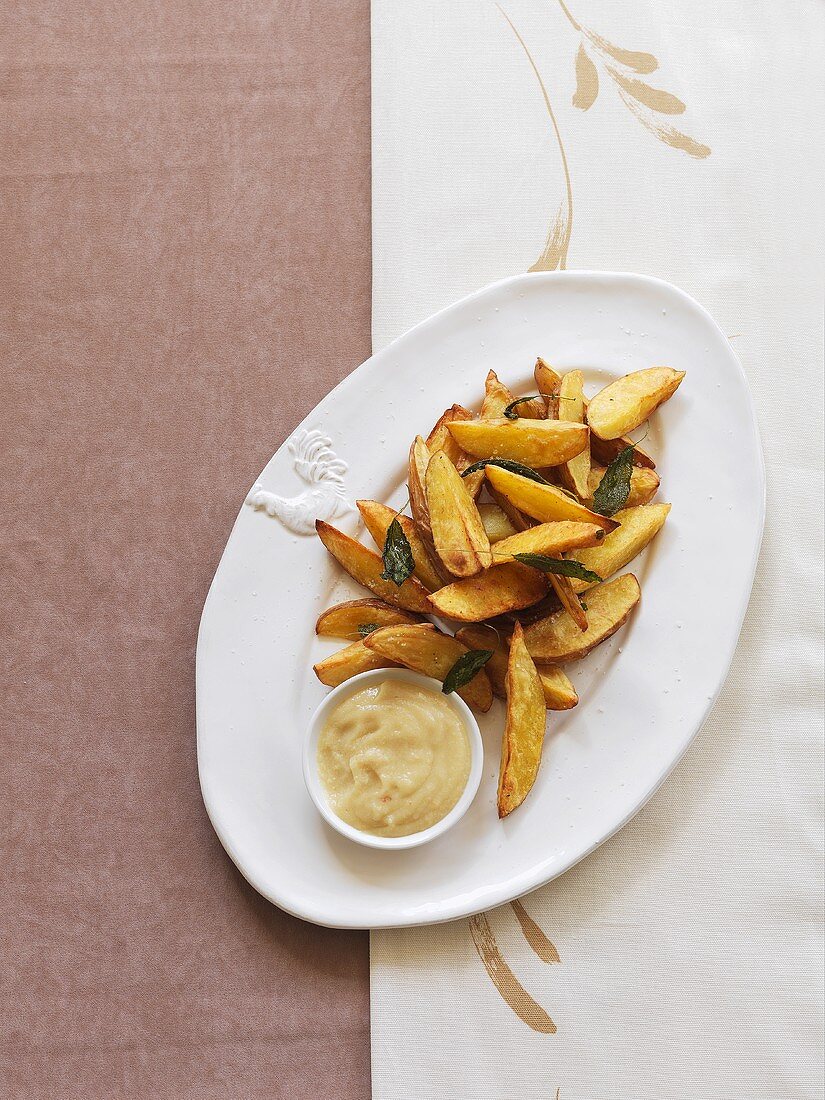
(654, 98)
(665, 132)
(535, 937)
(587, 81)
(512, 991)
(631, 59)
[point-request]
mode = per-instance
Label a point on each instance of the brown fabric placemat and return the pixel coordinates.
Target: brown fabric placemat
(185, 273)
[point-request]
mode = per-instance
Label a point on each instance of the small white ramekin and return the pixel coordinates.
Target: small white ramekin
(316, 788)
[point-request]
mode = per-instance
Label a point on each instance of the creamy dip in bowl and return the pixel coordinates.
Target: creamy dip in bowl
(390, 761)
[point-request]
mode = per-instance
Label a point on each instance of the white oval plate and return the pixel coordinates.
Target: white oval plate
(643, 694)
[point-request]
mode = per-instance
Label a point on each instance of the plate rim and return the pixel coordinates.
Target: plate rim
(526, 882)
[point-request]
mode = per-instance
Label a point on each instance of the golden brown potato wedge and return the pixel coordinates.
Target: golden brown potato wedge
(603, 451)
(534, 443)
(351, 619)
(365, 566)
(426, 650)
(419, 461)
(496, 522)
(550, 539)
(563, 588)
(524, 727)
(440, 439)
(507, 587)
(497, 397)
(638, 527)
(559, 693)
(576, 471)
(458, 533)
(644, 484)
(629, 401)
(377, 519)
(547, 383)
(545, 503)
(346, 663)
(557, 639)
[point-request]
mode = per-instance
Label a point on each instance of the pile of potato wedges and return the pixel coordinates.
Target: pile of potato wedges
(520, 518)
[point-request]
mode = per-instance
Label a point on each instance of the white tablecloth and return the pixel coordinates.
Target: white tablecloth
(690, 945)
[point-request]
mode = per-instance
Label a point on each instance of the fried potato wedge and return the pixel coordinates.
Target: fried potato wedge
(557, 639)
(559, 693)
(365, 566)
(519, 521)
(576, 471)
(524, 727)
(346, 663)
(551, 539)
(571, 603)
(440, 439)
(377, 519)
(426, 650)
(416, 478)
(497, 397)
(458, 533)
(638, 527)
(496, 522)
(535, 443)
(351, 620)
(545, 503)
(603, 451)
(629, 401)
(508, 587)
(547, 383)
(644, 484)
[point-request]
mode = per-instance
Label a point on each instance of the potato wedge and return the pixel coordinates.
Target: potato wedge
(559, 693)
(417, 472)
(507, 587)
(377, 519)
(440, 439)
(629, 401)
(365, 566)
(524, 727)
(551, 539)
(496, 522)
(644, 484)
(497, 397)
(519, 521)
(556, 639)
(603, 451)
(638, 527)
(535, 443)
(346, 663)
(576, 472)
(545, 503)
(547, 383)
(349, 620)
(563, 587)
(458, 533)
(426, 650)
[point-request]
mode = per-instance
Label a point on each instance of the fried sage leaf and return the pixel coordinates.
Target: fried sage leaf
(397, 555)
(465, 668)
(561, 567)
(614, 488)
(506, 464)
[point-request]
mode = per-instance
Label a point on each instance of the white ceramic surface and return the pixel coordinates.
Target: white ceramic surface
(316, 788)
(644, 694)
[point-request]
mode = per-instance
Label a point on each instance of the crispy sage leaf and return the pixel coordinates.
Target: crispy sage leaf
(510, 410)
(614, 488)
(465, 668)
(367, 628)
(397, 555)
(506, 464)
(562, 567)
